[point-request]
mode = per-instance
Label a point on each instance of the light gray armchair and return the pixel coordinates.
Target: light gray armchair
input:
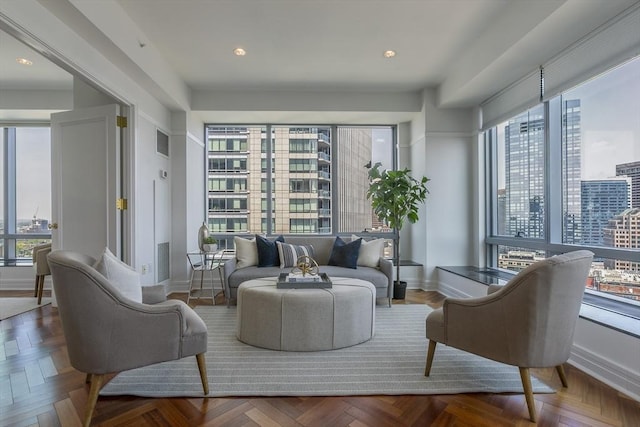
(528, 323)
(41, 268)
(108, 333)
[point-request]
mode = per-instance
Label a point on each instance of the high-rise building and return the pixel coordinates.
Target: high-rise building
(602, 200)
(502, 209)
(623, 231)
(571, 170)
(524, 196)
(632, 170)
(354, 152)
(301, 169)
(524, 178)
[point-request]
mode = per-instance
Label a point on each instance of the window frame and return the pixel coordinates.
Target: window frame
(268, 171)
(9, 234)
(552, 243)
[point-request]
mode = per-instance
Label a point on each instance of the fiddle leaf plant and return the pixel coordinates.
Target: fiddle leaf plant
(395, 198)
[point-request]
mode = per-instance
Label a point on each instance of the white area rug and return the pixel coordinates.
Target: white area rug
(13, 306)
(392, 363)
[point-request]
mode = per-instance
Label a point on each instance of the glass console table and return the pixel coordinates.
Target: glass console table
(205, 263)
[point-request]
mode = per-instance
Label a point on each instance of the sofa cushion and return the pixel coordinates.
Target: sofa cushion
(373, 275)
(289, 253)
(243, 274)
(268, 251)
(246, 252)
(123, 277)
(370, 252)
(345, 254)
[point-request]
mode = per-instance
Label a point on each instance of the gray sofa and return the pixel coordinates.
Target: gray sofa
(381, 277)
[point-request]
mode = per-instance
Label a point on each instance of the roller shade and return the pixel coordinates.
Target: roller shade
(605, 48)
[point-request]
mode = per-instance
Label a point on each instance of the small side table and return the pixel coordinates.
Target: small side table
(205, 262)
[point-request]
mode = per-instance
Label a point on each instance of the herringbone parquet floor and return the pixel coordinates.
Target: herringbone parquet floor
(39, 387)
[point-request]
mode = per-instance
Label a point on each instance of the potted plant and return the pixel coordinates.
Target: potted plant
(395, 197)
(209, 244)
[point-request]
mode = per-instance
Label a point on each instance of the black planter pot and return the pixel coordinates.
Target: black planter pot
(399, 289)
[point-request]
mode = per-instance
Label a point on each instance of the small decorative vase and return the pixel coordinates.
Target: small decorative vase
(203, 233)
(210, 247)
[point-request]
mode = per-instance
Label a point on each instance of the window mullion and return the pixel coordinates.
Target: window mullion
(269, 186)
(553, 170)
(10, 192)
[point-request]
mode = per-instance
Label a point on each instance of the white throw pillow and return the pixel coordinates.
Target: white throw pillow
(370, 251)
(124, 278)
(246, 252)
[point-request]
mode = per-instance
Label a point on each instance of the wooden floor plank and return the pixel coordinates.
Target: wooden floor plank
(49, 392)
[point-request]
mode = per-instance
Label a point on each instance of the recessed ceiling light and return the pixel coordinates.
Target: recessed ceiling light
(389, 53)
(24, 61)
(239, 51)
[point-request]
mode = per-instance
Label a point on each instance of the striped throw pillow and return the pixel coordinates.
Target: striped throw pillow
(289, 253)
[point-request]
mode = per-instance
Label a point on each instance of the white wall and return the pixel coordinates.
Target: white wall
(39, 22)
(152, 203)
(187, 194)
(444, 154)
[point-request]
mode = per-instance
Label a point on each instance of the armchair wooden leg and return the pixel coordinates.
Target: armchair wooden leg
(202, 366)
(528, 393)
(96, 384)
(35, 292)
(40, 289)
(430, 352)
(87, 379)
(562, 375)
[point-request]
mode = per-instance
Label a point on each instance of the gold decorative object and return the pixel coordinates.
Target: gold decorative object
(305, 265)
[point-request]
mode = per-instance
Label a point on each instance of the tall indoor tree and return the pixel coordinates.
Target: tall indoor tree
(395, 198)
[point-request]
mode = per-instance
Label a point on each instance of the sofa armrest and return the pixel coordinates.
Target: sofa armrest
(154, 294)
(229, 267)
(386, 266)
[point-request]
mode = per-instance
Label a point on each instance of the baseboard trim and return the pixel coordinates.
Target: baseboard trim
(615, 376)
(450, 291)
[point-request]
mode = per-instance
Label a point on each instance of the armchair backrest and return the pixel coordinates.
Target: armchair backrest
(88, 305)
(39, 259)
(541, 306)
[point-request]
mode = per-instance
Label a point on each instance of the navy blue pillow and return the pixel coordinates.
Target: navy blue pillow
(345, 254)
(268, 251)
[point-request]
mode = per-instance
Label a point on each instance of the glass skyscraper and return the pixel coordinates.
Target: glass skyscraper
(601, 201)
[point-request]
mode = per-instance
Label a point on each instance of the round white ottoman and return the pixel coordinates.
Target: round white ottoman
(305, 319)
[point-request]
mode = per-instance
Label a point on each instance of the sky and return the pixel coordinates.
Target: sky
(33, 174)
(610, 121)
(610, 108)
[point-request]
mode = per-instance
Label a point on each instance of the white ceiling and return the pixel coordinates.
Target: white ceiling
(467, 50)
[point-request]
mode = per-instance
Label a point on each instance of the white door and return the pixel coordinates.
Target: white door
(85, 168)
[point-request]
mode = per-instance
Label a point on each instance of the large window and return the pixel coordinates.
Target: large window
(520, 143)
(566, 175)
(277, 179)
(25, 191)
